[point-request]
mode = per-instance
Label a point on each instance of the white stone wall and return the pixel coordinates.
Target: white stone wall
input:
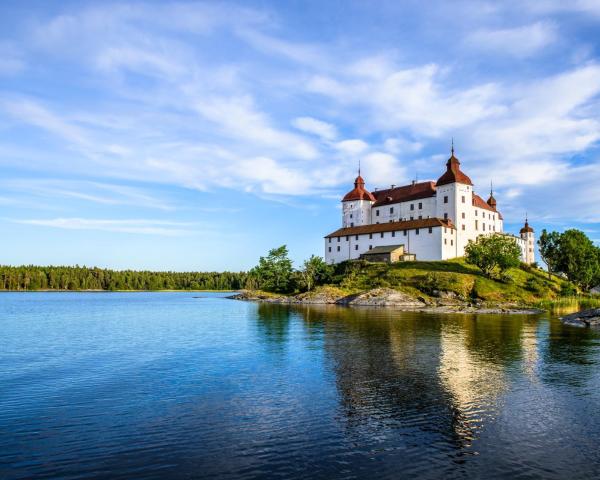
(528, 248)
(413, 210)
(356, 212)
(425, 245)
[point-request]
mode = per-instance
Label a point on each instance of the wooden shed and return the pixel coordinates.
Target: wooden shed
(388, 254)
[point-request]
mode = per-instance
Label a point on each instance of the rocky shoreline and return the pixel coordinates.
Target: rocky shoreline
(585, 318)
(385, 297)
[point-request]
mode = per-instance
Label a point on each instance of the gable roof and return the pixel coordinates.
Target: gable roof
(391, 227)
(405, 193)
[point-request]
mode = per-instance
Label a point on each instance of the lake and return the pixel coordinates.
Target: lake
(193, 385)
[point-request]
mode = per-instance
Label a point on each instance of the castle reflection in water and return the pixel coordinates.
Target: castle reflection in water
(440, 379)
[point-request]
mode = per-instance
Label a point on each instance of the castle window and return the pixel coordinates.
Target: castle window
(391, 221)
(339, 238)
(350, 215)
(329, 239)
(338, 249)
(351, 224)
(329, 249)
(444, 229)
(370, 236)
(393, 234)
(420, 217)
(445, 216)
(416, 231)
(391, 209)
(446, 199)
(412, 218)
(376, 213)
(451, 242)
(463, 199)
(530, 250)
(412, 206)
(483, 226)
(476, 225)
(463, 214)
(476, 212)
(445, 241)
(356, 237)
(463, 226)
(405, 233)
(381, 234)
(430, 229)
(355, 247)
(370, 247)
(420, 205)
(347, 238)
(376, 223)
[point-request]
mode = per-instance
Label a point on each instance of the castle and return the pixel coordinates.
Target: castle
(422, 221)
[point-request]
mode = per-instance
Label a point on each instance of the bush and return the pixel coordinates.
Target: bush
(567, 289)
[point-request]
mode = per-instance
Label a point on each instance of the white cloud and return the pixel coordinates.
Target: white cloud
(383, 169)
(136, 226)
(521, 41)
(352, 147)
(324, 130)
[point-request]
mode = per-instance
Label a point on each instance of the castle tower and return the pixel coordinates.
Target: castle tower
(356, 205)
(454, 192)
(527, 234)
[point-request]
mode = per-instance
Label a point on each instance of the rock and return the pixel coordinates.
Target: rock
(585, 318)
(382, 297)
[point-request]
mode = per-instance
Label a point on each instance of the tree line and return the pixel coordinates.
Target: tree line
(84, 278)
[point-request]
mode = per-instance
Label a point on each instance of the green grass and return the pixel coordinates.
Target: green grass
(526, 286)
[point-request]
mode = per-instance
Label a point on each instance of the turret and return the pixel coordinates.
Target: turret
(356, 205)
(528, 235)
(492, 201)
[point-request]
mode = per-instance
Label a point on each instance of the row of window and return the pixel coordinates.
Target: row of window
(405, 232)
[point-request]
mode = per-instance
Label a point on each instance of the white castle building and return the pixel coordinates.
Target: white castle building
(427, 220)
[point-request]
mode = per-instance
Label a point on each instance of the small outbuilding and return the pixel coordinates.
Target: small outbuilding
(388, 254)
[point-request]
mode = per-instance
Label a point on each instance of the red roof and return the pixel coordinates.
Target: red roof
(526, 228)
(358, 192)
(481, 203)
(405, 193)
(392, 227)
(453, 173)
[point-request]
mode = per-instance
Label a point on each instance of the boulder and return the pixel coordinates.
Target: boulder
(383, 297)
(584, 318)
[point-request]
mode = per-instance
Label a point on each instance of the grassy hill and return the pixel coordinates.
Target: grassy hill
(456, 279)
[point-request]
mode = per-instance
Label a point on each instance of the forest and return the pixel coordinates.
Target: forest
(85, 278)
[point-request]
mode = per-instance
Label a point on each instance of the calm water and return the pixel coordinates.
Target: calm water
(165, 385)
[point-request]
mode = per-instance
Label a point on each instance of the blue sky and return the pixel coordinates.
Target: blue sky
(197, 135)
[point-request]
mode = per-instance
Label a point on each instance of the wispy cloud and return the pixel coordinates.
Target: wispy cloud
(522, 41)
(136, 226)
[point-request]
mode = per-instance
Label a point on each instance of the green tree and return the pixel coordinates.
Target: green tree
(549, 244)
(493, 252)
(274, 272)
(578, 258)
(315, 271)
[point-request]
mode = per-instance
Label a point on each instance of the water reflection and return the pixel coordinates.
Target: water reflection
(444, 376)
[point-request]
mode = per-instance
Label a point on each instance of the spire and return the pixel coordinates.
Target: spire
(359, 167)
(452, 149)
(491, 188)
